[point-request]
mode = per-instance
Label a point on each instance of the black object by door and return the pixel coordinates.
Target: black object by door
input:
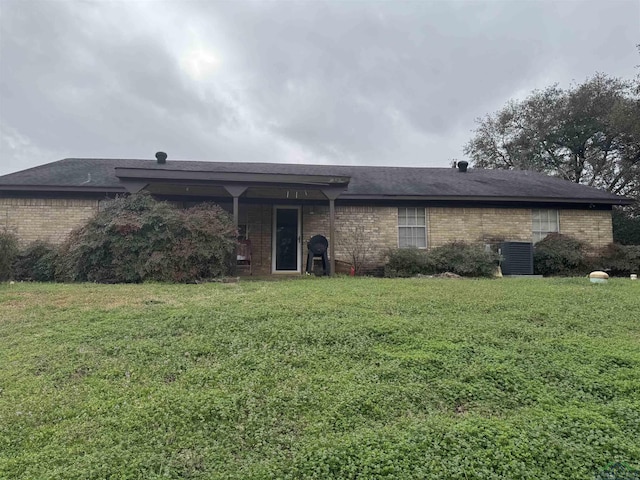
(286, 239)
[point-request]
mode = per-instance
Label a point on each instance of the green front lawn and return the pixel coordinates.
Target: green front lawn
(320, 378)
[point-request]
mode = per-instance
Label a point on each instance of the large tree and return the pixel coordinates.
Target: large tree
(588, 133)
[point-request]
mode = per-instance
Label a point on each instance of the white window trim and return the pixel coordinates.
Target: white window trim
(426, 223)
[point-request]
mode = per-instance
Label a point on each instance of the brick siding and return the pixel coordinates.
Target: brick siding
(371, 227)
(258, 219)
(357, 227)
(593, 227)
(446, 225)
(46, 219)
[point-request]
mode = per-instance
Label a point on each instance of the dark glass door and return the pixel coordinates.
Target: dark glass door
(286, 240)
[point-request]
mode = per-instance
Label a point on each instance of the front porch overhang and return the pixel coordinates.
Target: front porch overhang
(236, 184)
(138, 178)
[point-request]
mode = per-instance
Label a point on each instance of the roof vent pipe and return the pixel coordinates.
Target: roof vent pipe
(161, 157)
(462, 166)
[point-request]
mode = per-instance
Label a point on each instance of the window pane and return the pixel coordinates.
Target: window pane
(402, 216)
(412, 230)
(544, 222)
(404, 237)
(411, 217)
(420, 237)
(537, 236)
(553, 217)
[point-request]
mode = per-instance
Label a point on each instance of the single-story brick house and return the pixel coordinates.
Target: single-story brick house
(278, 207)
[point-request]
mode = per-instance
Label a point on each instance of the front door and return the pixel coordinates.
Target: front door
(286, 240)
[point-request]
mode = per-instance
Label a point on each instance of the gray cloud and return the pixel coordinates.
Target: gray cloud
(340, 82)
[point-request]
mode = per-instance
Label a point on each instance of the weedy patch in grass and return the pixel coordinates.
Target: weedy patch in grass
(336, 378)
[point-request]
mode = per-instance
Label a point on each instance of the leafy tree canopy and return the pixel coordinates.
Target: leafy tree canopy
(588, 133)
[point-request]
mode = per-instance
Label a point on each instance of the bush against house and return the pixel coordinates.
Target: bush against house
(8, 252)
(555, 255)
(558, 254)
(619, 260)
(467, 260)
(36, 262)
(358, 246)
(460, 258)
(406, 262)
(626, 226)
(137, 238)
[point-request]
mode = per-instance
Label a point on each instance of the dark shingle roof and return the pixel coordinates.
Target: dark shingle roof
(394, 182)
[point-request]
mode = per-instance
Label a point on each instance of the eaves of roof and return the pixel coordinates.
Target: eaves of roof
(348, 196)
(61, 188)
(500, 199)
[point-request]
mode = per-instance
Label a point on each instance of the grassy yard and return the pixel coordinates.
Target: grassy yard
(320, 378)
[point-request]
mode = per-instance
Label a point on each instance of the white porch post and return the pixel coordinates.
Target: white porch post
(332, 194)
(235, 191)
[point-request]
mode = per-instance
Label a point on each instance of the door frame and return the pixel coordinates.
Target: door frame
(298, 269)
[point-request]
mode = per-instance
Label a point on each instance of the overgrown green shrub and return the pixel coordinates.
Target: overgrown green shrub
(67, 264)
(619, 260)
(406, 262)
(464, 259)
(8, 252)
(137, 238)
(558, 254)
(626, 227)
(458, 257)
(35, 262)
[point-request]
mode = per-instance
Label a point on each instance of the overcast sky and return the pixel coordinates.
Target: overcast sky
(340, 82)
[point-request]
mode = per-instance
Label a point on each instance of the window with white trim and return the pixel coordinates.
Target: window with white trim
(412, 227)
(544, 222)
